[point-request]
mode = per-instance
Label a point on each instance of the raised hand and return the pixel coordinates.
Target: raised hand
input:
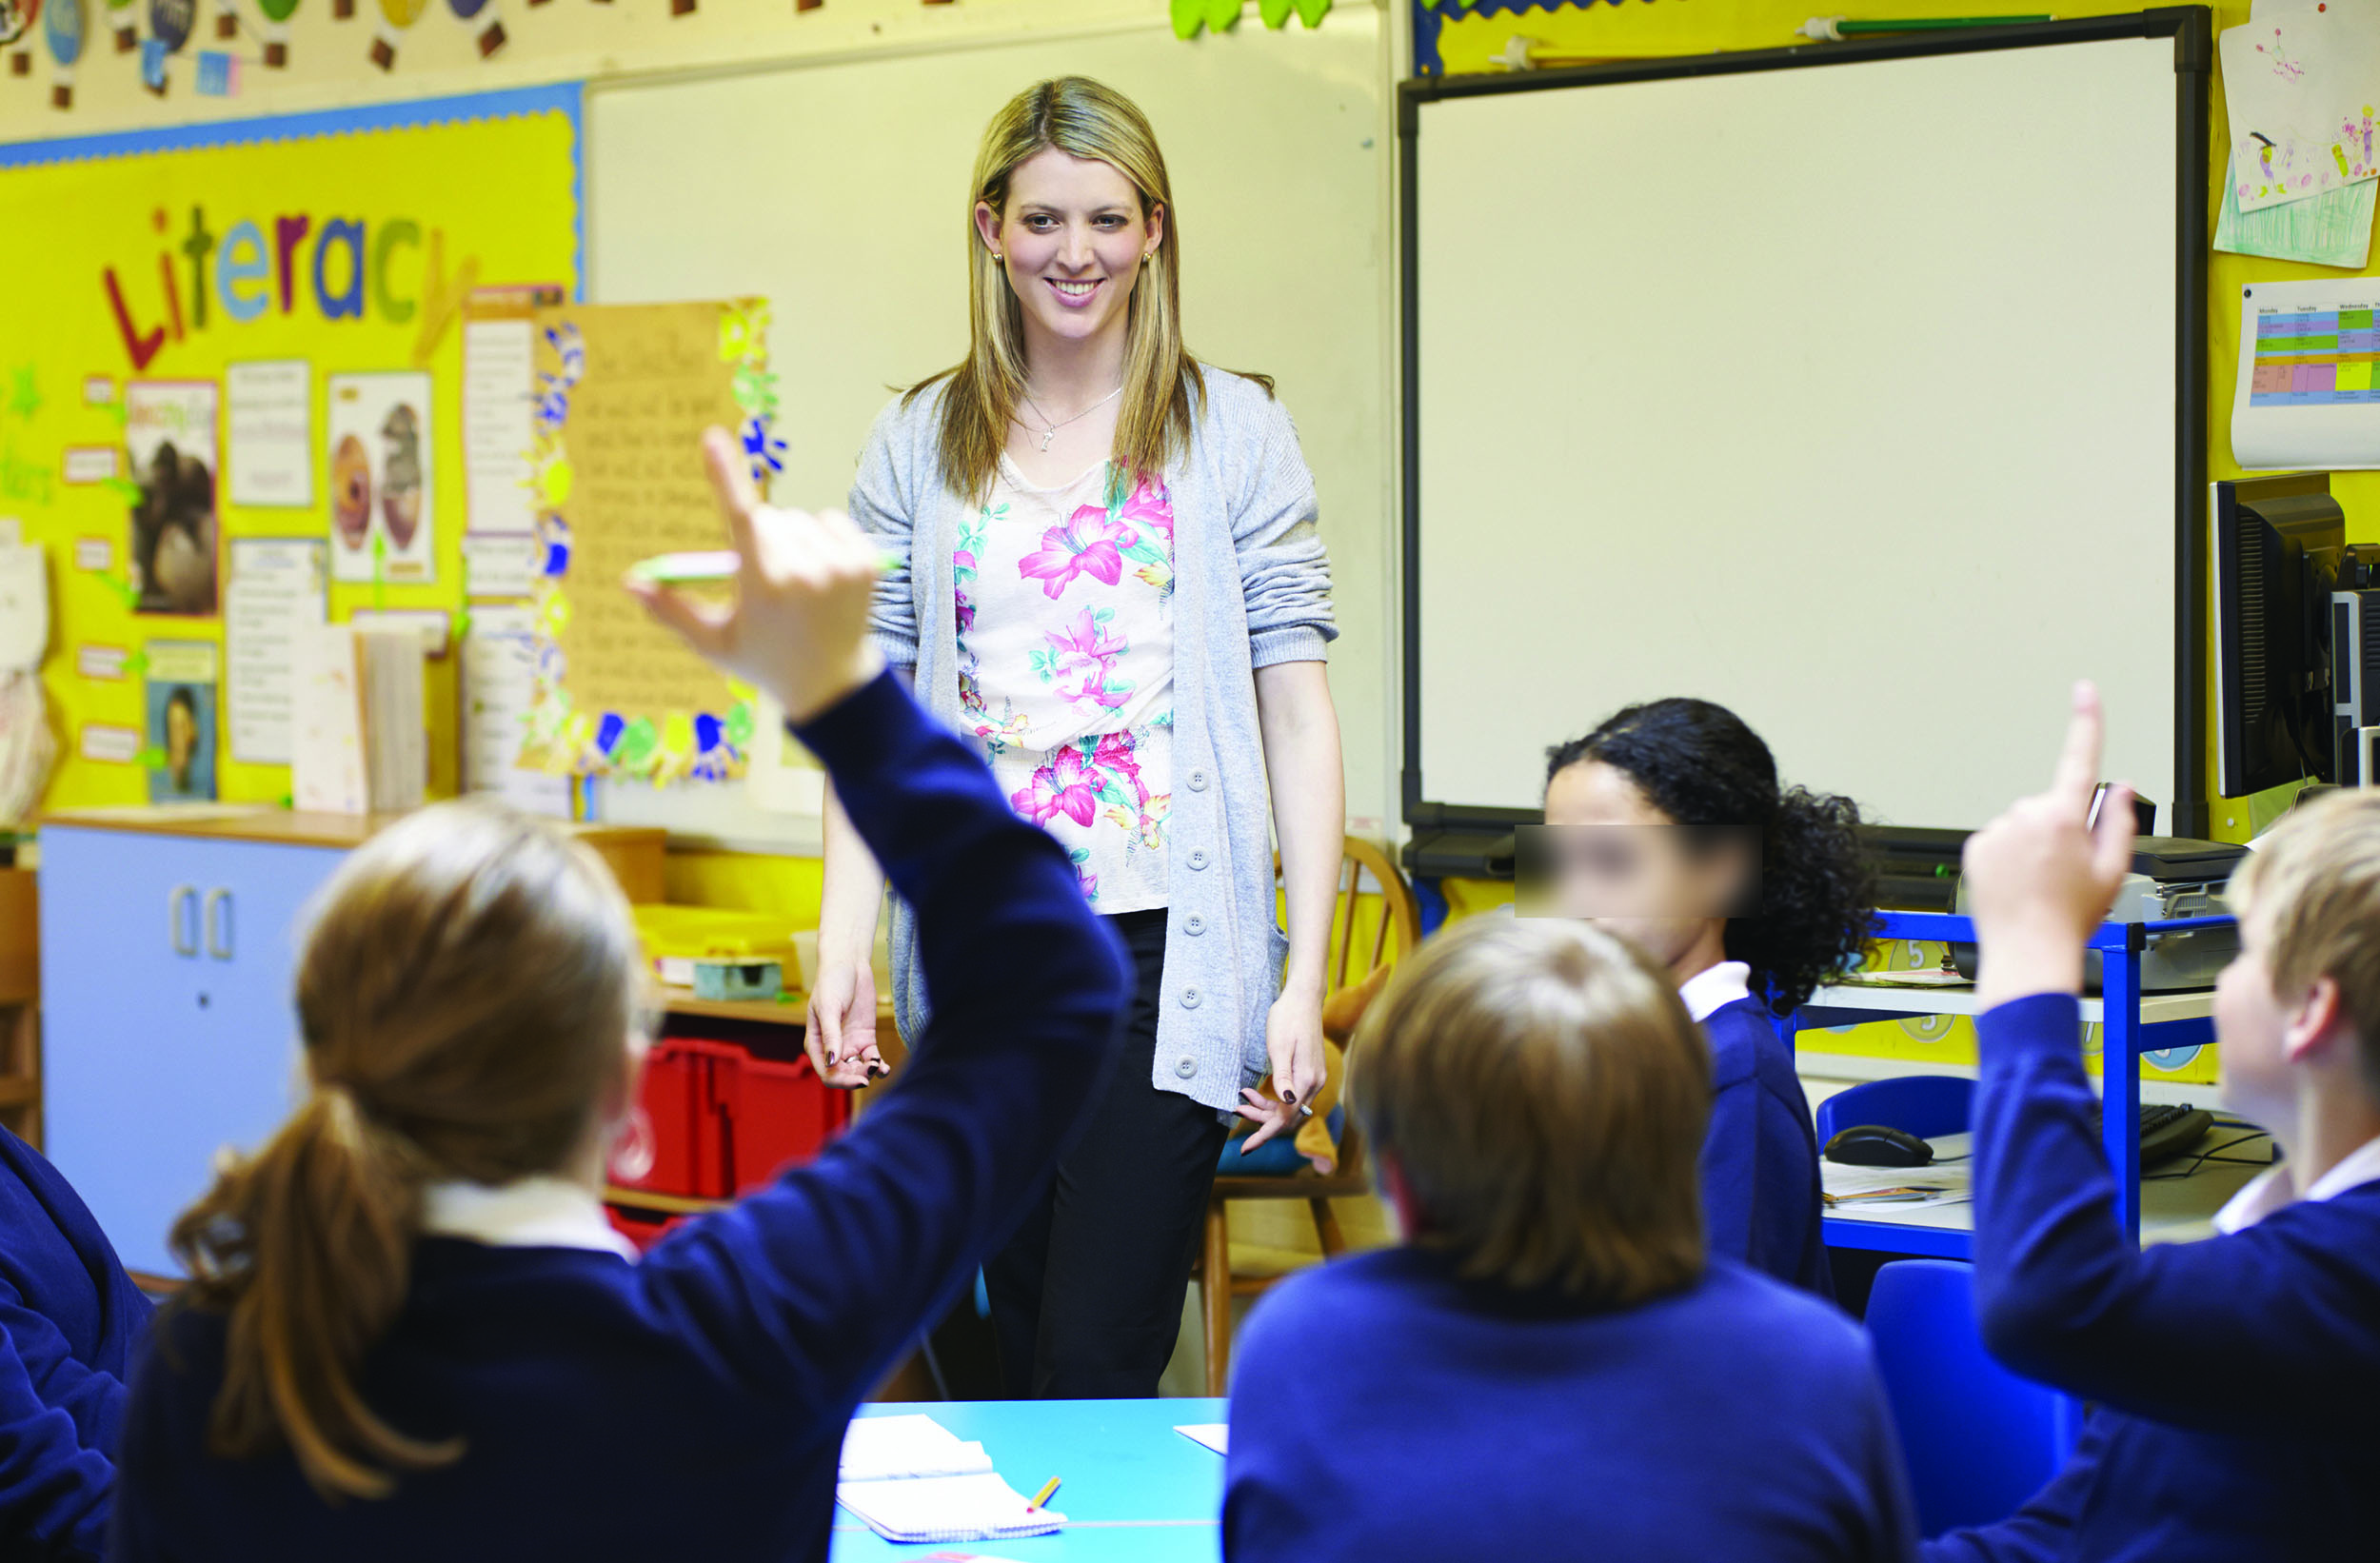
(2038, 881)
(798, 626)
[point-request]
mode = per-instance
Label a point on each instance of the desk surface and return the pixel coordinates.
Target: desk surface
(1135, 1489)
(2155, 1008)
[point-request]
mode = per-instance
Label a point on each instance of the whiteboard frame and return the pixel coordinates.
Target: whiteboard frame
(1441, 826)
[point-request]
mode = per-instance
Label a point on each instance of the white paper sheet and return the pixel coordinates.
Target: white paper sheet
(24, 607)
(272, 418)
(499, 682)
(2300, 81)
(498, 389)
(500, 565)
(279, 585)
(2309, 388)
(1215, 1435)
(326, 722)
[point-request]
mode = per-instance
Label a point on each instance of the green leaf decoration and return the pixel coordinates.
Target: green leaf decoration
(637, 742)
(1311, 11)
(1189, 16)
(1221, 15)
(1275, 13)
(739, 724)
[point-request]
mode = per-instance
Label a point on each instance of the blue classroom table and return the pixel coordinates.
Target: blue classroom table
(1135, 1489)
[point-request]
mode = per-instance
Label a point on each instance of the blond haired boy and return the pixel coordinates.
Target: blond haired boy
(2234, 1380)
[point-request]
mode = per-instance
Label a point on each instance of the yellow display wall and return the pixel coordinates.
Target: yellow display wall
(345, 241)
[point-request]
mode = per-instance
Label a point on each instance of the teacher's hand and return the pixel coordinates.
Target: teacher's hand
(840, 1036)
(1293, 1040)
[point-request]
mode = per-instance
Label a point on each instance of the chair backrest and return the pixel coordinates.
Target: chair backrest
(1924, 1105)
(1401, 914)
(1978, 1440)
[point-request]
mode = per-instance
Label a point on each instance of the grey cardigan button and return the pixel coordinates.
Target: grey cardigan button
(1198, 780)
(1189, 999)
(1193, 924)
(1185, 1066)
(1198, 858)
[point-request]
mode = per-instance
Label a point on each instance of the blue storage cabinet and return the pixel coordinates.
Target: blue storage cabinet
(167, 1023)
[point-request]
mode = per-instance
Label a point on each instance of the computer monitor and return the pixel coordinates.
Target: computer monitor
(2279, 545)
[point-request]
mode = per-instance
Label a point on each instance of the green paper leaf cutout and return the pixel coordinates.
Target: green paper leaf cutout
(1189, 16)
(1311, 11)
(1274, 12)
(1221, 15)
(737, 726)
(637, 742)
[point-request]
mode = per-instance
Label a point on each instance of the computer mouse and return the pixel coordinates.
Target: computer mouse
(1874, 1145)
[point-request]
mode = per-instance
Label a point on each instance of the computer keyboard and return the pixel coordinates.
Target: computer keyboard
(2167, 1131)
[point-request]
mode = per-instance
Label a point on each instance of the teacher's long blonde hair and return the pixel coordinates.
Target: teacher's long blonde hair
(1162, 384)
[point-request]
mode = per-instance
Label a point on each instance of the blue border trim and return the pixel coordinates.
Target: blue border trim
(567, 98)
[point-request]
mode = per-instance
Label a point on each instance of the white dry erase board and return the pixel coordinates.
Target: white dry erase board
(1844, 394)
(838, 189)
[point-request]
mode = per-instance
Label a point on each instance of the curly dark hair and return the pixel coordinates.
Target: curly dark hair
(1699, 765)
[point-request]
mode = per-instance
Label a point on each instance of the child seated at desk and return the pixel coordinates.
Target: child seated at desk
(410, 1333)
(1672, 832)
(2233, 1379)
(70, 1318)
(1551, 1367)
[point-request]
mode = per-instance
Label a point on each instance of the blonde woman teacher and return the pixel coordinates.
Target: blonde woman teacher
(1114, 586)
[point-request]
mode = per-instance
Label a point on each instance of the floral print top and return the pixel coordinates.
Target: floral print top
(1065, 600)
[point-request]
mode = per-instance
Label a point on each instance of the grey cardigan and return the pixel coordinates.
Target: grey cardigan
(1251, 588)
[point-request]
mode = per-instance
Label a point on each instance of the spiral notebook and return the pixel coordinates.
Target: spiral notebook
(911, 1479)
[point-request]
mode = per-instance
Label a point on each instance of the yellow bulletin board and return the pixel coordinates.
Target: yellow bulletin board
(288, 278)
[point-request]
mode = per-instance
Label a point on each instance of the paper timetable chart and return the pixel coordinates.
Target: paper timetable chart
(2316, 358)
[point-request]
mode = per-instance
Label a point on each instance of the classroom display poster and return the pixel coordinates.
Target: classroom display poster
(380, 508)
(169, 449)
(623, 395)
(2301, 80)
(205, 293)
(2308, 387)
(181, 729)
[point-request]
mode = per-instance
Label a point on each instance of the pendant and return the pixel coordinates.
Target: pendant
(1047, 435)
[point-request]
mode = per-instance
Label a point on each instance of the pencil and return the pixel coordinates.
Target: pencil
(1042, 1497)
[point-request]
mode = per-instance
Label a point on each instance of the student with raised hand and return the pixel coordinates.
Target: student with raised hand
(409, 1333)
(70, 1322)
(1552, 1366)
(1672, 832)
(2233, 1379)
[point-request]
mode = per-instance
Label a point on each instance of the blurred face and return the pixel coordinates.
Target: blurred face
(2252, 1024)
(1072, 238)
(1624, 866)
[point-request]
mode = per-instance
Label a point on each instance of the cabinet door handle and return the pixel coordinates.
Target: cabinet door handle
(179, 924)
(218, 941)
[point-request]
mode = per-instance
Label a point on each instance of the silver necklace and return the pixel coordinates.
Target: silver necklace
(1050, 432)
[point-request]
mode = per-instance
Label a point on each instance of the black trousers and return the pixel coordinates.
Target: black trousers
(1087, 1297)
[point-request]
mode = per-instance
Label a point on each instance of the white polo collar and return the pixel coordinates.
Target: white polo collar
(543, 1212)
(1713, 988)
(2270, 1190)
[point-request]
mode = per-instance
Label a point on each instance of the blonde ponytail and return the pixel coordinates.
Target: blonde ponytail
(466, 996)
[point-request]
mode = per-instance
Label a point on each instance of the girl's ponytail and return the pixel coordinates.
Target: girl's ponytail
(307, 1247)
(467, 995)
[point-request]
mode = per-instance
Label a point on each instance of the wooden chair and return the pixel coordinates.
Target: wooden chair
(1351, 1180)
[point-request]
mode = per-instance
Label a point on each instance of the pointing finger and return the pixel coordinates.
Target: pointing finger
(2078, 762)
(731, 480)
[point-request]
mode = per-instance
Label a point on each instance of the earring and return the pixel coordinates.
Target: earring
(1147, 255)
(997, 256)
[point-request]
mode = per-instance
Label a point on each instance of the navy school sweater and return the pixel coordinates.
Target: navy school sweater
(1760, 1194)
(2234, 1380)
(692, 1406)
(70, 1318)
(1386, 1408)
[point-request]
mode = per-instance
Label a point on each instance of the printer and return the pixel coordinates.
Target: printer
(2171, 878)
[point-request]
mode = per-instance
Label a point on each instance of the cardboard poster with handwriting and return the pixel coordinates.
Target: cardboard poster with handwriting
(623, 394)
